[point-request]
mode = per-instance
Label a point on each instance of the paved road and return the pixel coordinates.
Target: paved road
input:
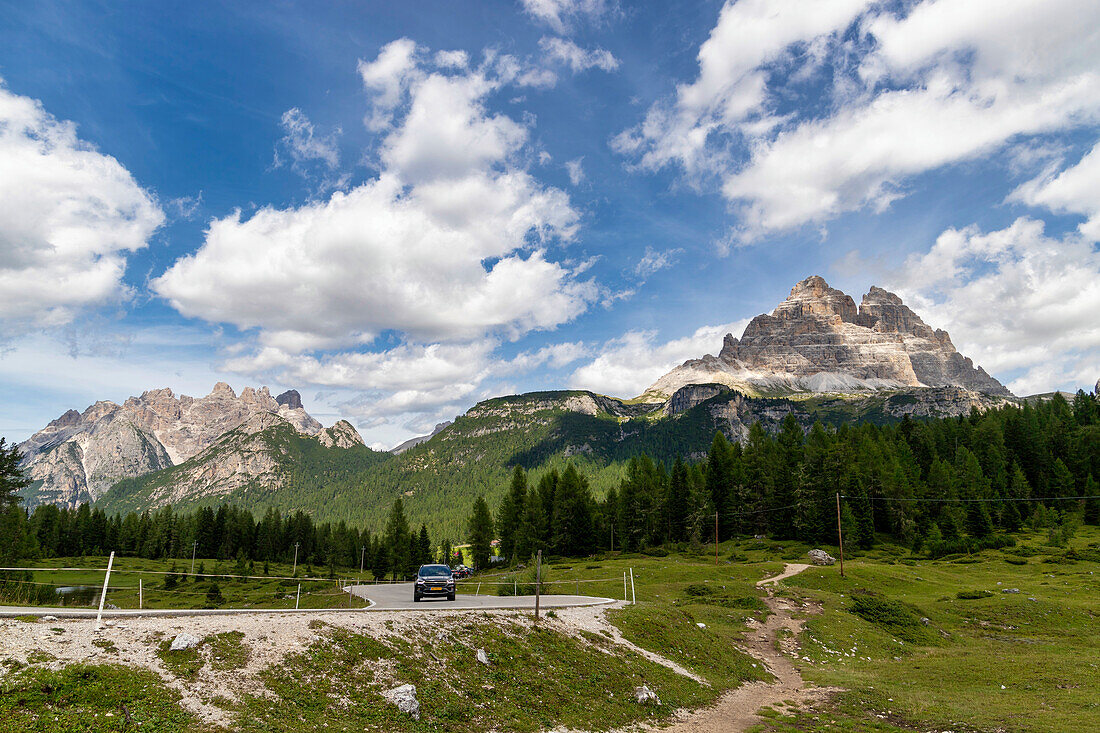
(399, 597)
(393, 597)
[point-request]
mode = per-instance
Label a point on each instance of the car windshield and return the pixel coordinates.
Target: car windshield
(434, 570)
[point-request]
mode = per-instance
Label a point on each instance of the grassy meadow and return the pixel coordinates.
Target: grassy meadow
(1003, 640)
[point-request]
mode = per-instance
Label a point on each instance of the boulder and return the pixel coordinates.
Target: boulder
(184, 641)
(483, 657)
(645, 696)
(404, 697)
(820, 557)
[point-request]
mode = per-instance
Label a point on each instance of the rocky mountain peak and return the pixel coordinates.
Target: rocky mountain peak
(290, 398)
(78, 456)
(814, 297)
(817, 340)
(341, 435)
(221, 389)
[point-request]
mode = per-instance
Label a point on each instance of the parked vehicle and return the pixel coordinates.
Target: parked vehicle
(434, 580)
(461, 572)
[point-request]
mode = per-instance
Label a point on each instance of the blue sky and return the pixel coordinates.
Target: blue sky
(400, 209)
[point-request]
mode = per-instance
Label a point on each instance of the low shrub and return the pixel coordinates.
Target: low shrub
(892, 616)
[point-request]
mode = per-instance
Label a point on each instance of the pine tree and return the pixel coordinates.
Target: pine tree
(511, 516)
(572, 515)
(398, 546)
(678, 497)
(1092, 503)
(12, 479)
(480, 534)
(720, 482)
(423, 547)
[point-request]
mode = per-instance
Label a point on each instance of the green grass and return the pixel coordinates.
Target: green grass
(538, 678)
(1041, 643)
(917, 645)
(90, 698)
(261, 592)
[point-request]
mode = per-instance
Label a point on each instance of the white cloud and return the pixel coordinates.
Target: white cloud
(446, 253)
(303, 145)
(561, 14)
(388, 77)
(654, 261)
(1073, 191)
(947, 81)
(630, 363)
(452, 59)
(68, 216)
(1044, 327)
(575, 169)
(564, 51)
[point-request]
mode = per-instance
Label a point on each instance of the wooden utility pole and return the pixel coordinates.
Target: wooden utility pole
(840, 534)
(538, 583)
(716, 538)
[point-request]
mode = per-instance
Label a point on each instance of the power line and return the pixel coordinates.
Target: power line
(1007, 498)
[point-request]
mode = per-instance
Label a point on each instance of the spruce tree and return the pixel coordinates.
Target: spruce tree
(397, 542)
(678, 497)
(480, 534)
(511, 516)
(423, 547)
(12, 479)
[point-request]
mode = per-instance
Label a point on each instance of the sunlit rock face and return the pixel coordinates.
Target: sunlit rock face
(80, 455)
(818, 340)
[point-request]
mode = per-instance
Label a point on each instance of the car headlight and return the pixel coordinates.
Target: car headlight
(420, 581)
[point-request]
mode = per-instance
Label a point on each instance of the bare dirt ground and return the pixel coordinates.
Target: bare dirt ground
(736, 710)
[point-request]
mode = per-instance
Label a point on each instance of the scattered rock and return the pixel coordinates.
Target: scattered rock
(701, 625)
(1010, 590)
(483, 657)
(49, 618)
(926, 621)
(404, 697)
(646, 696)
(184, 641)
(820, 557)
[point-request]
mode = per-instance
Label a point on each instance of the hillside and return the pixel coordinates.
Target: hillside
(439, 478)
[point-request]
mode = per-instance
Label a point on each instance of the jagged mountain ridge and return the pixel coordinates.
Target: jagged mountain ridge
(78, 456)
(818, 341)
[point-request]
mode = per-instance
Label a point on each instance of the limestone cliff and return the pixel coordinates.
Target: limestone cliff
(78, 456)
(819, 341)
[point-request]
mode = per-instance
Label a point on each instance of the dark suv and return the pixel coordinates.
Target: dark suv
(434, 580)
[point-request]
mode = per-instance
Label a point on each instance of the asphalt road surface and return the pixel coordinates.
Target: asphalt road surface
(391, 597)
(399, 597)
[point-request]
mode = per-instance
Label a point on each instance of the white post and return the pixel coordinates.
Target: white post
(298, 597)
(141, 598)
(103, 595)
(633, 598)
(478, 591)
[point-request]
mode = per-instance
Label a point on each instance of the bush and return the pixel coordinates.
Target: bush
(1015, 561)
(892, 616)
(655, 552)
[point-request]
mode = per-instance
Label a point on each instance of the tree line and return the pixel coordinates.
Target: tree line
(941, 486)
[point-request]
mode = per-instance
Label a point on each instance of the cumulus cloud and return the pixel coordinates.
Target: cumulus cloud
(1070, 191)
(446, 253)
(567, 53)
(1043, 334)
(909, 91)
(68, 216)
(559, 15)
(628, 364)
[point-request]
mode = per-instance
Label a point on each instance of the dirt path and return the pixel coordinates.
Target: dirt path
(736, 710)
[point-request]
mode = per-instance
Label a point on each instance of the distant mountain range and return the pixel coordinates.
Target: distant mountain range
(80, 455)
(816, 356)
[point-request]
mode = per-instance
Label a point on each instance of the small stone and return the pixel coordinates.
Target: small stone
(926, 621)
(820, 557)
(404, 697)
(184, 641)
(701, 625)
(645, 696)
(483, 657)
(49, 618)
(1010, 590)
